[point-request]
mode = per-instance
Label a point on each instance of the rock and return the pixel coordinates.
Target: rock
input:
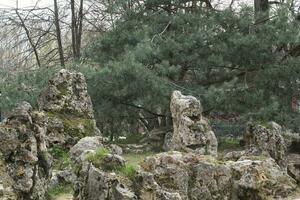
(294, 166)
(120, 192)
(112, 162)
(115, 149)
(233, 155)
(24, 149)
(84, 145)
(260, 179)
(69, 109)
(191, 129)
(96, 184)
(267, 140)
(194, 176)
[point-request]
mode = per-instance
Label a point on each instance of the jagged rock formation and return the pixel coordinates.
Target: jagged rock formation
(96, 184)
(267, 140)
(191, 129)
(175, 175)
(24, 152)
(68, 107)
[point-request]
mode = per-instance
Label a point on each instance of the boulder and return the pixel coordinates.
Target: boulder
(24, 152)
(267, 140)
(84, 145)
(115, 149)
(191, 130)
(95, 184)
(294, 166)
(194, 176)
(69, 108)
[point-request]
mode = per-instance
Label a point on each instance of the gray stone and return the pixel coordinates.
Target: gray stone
(69, 109)
(25, 156)
(191, 129)
(83, 145)
(266, 140)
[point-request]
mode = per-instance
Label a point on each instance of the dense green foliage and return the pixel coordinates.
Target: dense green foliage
(232, 64)
(236, 67)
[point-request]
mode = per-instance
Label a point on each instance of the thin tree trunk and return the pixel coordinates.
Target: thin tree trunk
(73, 27)
(261, 8)
(33, 46)
(58, 35)
(79, 29)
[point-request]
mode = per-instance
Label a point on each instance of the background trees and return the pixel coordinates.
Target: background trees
(241, 64)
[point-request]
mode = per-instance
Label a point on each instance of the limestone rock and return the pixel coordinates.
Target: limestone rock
(84, 145)
(112, 161)
(267, 140)
(191, 129)
(120, 192)
(24, 150)
(192, 176)
(294, 166)
(115, 149)
(260, 179)
(69, 108)
(96, 184)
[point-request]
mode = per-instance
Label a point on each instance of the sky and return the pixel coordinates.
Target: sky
(28, 3)
(23, 3)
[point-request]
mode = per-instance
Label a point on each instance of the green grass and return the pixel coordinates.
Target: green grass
(227, 145)
(59, 189)
(95, 158)
(136, 159)
(61, 157)
(128, 170)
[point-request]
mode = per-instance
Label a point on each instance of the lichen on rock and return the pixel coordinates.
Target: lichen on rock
(24, 150)
(69, 108)
(191, 129)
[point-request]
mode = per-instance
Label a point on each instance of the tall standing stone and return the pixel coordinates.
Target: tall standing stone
(24, 151)
(191, 129)
(69, 108)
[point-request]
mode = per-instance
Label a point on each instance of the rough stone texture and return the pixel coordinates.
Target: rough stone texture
(260, 179)
(115, 149)
(69, 108)
(294, 166)
(96, 184)
(266, 140)
(112, 161)
(85, 145)
(191, 176)
(191, 129)
(24, 151)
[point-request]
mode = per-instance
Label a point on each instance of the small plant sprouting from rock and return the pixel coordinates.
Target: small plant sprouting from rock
(61, 157)
(53, 192)
(128, 170)
(95, 157)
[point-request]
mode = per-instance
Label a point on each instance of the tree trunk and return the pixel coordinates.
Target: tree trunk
(58, 35)
(76, 27)
(261, 8)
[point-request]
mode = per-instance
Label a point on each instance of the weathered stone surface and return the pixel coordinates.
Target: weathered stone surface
(266, 140)
(112, 162)
(115, 149)
(120, 192)
(67, 93)
(191, 176)
(69, 108)
(24, 150)
(191, 129)
(294, 166)
(260, 179)
(85, 144)
(96, 184)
